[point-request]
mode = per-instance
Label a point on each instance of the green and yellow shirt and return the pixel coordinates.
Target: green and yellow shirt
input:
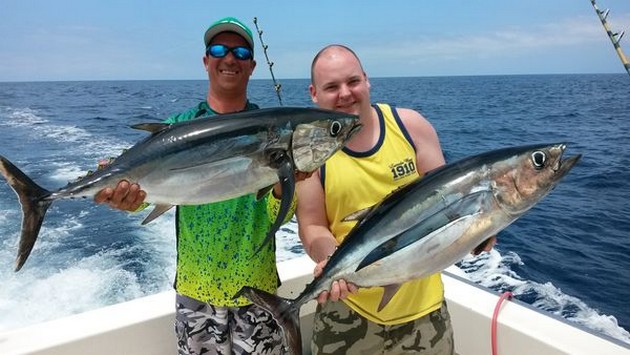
(216, 241)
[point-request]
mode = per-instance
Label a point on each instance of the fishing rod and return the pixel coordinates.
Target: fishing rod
(615, 37)
(276, 85)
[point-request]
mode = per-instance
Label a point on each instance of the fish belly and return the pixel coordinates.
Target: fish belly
(433, 253)
(217, 181)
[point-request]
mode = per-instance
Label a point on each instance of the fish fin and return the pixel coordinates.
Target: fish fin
(286, 174)
(262, 192)
(450, 216)
(34, 206)
(157, 212)
(152, 127)
(358, 215)
(480, 248)
(284, 311)
(388, 293)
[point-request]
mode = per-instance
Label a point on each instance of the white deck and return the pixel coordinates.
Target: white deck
(145, 325)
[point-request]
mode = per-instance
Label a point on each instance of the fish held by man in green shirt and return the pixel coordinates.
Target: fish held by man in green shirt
(201, 161)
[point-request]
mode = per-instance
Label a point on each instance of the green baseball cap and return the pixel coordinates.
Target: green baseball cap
(229, 24)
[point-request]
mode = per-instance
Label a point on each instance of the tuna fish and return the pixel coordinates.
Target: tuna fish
(202, 161)
(429, 224)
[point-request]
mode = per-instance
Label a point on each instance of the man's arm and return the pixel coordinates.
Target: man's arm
(317, 239)
(319, 243)
(428, 150)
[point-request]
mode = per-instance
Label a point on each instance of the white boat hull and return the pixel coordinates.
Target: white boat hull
(145, 325)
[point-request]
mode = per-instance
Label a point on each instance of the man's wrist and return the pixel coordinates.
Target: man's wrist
(322, 249)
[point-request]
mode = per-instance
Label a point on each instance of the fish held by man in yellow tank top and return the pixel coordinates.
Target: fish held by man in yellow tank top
(429, 224)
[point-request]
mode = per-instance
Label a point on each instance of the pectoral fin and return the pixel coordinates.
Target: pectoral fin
(262, 192)
(388, 293)
(284, 164)
(157, 212)
(151, 127)
(456, 216)
(358, 215)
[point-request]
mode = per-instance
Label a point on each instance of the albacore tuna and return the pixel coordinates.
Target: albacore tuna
(428, 225)
(202, 161)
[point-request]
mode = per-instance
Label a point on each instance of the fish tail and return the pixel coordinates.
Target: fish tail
(34, 206)
(285, 312)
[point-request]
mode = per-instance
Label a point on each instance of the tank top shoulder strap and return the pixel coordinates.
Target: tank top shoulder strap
(393, 112)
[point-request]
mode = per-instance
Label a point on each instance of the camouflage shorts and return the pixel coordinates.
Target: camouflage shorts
(205, 329)
(340, 330)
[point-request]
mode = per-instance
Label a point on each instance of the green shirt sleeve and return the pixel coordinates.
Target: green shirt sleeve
(273, 207)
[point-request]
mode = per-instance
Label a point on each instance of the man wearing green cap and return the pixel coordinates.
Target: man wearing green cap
(216, 242)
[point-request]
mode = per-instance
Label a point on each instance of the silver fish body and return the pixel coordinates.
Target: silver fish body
(220, 157)
(202, 161)
(430, 224)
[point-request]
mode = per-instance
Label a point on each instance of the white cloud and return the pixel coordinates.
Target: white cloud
(551, 42)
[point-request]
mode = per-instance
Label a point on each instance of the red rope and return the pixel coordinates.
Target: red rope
(508, 295)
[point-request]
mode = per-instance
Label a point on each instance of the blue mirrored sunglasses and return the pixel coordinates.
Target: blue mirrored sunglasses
(221, 50)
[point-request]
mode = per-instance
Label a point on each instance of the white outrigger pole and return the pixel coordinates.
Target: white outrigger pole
(615, 37)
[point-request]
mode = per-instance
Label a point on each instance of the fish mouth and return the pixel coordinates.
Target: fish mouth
(356, 127)
(567, 164)
(563, 166)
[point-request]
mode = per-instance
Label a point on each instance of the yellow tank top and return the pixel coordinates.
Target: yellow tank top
(356, 180)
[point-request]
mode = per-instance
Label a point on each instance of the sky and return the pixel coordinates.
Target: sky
(43, 40)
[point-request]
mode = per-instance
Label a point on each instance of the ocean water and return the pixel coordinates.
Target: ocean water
(567, 256)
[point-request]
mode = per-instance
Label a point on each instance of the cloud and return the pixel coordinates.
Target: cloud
(134, 51)
(550, 42)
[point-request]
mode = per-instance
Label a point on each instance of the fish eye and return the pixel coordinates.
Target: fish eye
(539, 158)
(335, 128)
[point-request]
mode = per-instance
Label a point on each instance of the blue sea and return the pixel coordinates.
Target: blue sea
(569, 256)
